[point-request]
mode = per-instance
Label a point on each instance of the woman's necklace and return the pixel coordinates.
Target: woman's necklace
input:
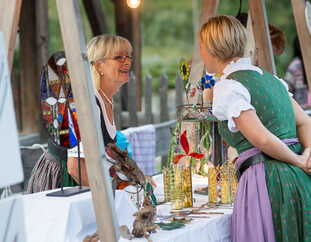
(108, 100)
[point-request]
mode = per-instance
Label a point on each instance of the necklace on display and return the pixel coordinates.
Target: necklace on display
(108, 100)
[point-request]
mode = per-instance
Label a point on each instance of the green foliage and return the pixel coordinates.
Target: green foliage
(168, 33)
(55, 36)
(167, 30)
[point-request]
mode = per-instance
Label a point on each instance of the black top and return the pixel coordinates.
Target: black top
(106, 136)
(57, 150)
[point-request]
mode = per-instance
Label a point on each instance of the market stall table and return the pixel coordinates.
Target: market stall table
(67, 218)
(214, 228)
(72, 218)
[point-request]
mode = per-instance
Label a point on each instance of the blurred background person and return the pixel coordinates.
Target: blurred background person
(296, 79)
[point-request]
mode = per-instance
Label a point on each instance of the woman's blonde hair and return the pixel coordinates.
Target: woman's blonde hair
(224, 37)
(100, 47)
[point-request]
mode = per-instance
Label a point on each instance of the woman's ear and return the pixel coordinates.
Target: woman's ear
(98, 66)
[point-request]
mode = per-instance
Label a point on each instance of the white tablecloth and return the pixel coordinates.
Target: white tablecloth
(214, 228)
(72, 218)
(68, 218)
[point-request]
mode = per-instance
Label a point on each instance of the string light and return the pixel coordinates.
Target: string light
(133, 3)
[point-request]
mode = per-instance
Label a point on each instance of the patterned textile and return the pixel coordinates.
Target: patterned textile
(143, 142)
(272, 197)
(294, 77)
(45, 174)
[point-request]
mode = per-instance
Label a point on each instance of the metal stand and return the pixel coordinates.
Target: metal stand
(138, 202)
(73, 190)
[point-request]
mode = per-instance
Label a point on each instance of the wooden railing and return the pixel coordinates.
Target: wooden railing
(134, 118)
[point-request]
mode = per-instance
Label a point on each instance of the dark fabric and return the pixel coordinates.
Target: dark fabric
(46, 173)
(253, 160)
(57, 150)
(106, 137)
(60, 153)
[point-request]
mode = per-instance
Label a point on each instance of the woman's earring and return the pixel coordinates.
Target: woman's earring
(101, 74)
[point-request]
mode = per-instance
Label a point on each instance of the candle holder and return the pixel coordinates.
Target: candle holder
(176, 187)
(222, 183)
(187, 197)
(167, 184)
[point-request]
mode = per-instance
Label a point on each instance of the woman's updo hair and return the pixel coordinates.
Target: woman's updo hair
(100, 47)
(224, 37)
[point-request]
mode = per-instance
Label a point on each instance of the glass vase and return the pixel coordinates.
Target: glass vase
(167, 184)
(187, 187)
(176, 188)
(222, 183)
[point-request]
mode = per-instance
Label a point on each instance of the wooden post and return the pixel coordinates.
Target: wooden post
(9, 18)
(137, 53)
(148, 99)
(195, 17)
(96, 17)
(250, 48)
(29, 73)
(303, 35)
(42, 45)
(179, 89)
(123, 21)
(117, 110)
(261, 34)
(132, 100)
(96, 163)
(163, 98)
(209, 9)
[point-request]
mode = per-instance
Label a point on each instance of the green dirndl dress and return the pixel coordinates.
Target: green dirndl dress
(288, 186)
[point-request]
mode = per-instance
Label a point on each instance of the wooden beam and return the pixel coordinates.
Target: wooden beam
(81, 82)
(123, 23)
(209, 9)
(261, 35)
(136, 34)
(42, 34)
(303, 35)
(250, 48)
(9, 18)
(96, 17)
(29, 78)
(42, 45)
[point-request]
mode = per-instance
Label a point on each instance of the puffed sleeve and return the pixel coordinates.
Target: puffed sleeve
(230, 98)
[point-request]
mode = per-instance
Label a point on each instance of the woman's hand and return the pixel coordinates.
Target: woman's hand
(305, 161)
(308, 161)
(151, 181)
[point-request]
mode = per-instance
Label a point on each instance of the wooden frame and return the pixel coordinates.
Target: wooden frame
(81, 82)
(9, 18)
(303, 35)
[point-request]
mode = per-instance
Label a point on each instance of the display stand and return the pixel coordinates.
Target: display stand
(201, 114)
(73, 190)
(58, 116)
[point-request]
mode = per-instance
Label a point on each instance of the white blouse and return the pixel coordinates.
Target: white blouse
(111, 128)
(230, 97)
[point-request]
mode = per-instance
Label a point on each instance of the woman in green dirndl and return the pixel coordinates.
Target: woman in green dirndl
(272, 134)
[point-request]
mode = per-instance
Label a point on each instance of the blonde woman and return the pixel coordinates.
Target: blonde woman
(110, 60)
